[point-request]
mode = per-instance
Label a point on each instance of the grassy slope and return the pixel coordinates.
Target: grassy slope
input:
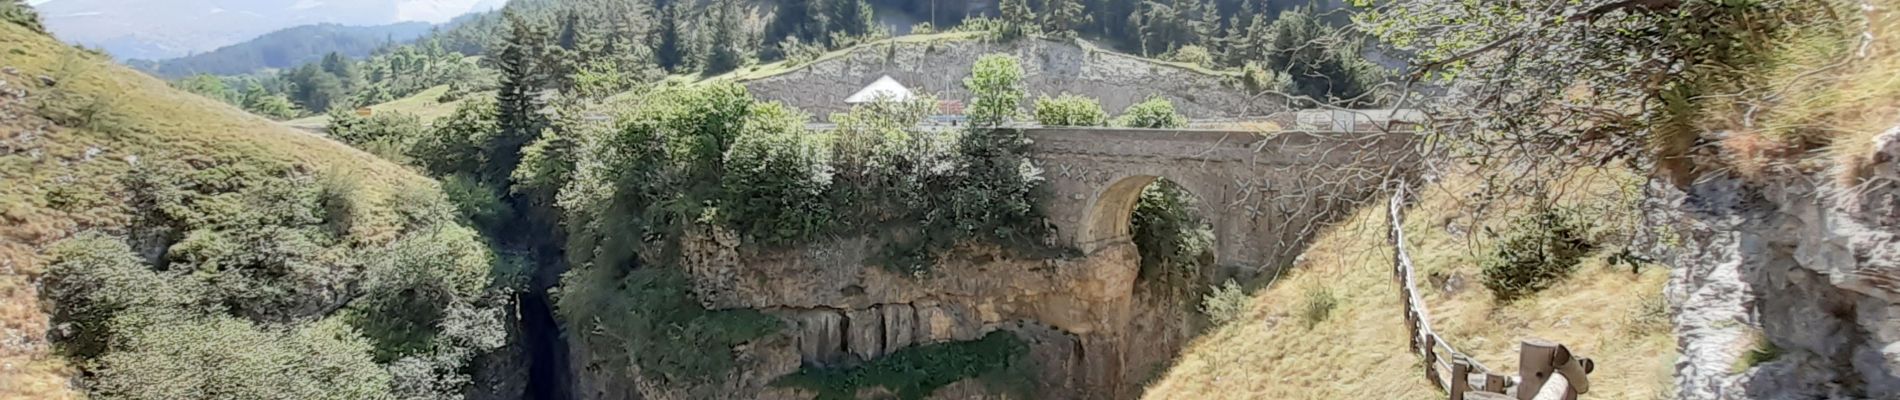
(44, 168)
(1360, 351)
(422, 105)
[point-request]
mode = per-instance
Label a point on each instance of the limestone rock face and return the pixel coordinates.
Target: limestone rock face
(1800, 261)
(821, 337)
(900, 326)
(865, 333)
(1053, 68)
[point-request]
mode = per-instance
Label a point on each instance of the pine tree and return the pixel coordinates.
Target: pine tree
(517, 102)
(1065, 17)
(1019, 18)
(725, 39)
(670, 44)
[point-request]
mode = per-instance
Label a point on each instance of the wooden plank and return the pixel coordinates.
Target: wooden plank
(1494, 383)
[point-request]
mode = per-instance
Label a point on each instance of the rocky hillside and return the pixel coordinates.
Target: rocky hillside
(937, 64)
(224, 233)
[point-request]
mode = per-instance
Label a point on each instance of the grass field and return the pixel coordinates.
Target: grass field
(57, 179)
(1359, 352)
(422, 105)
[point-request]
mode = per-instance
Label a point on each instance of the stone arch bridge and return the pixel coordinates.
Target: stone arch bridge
(1266, 194)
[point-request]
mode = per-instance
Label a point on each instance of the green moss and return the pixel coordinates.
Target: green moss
(915, 372)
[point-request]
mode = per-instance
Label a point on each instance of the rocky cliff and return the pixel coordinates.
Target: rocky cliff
(1784, 286)
(1090, 332)
(1053, 68)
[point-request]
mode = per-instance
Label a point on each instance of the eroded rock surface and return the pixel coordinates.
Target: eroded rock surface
(1801, 261)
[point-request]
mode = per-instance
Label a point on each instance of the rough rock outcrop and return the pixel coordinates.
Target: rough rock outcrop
(1054, 68)
(1797, 260)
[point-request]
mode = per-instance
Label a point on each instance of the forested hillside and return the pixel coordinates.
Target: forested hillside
(286, 48)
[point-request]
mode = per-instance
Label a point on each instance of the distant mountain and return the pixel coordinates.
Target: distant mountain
(154, 30)
(286, 48)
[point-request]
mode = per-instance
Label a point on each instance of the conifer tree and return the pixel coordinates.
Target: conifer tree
(518, 101)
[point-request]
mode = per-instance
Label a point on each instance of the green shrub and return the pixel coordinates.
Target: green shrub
(1070, 110)
(91, 280)
(482, 204)
(1318, 306)
(1540, 250)
(1154, 113)
(1192, 54)
(227, 358)
(647, 318)
(1226, 303)
(1174, 242)
(397, 129)
(776, 178)
(19, 13)
(914, 373)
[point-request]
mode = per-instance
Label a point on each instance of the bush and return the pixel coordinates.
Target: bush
(1173, 240)
(1070, 110)
(914, 373)
(1318, 306)
(91, 280)
(457, 144)
(1540, 250)
(1154, 113)
(481, 203)
(387, 135)
(776, 178)
(1193, 54)
(19, 13)
(798, 52)
(653, 323)
(227, 358)
(1226, 303)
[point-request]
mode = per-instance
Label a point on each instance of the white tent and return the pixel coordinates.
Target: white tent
(885, 89)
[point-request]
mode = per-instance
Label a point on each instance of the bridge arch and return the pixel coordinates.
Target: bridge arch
(1110, 218)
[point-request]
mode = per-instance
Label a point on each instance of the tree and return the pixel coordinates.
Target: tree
(1155, 113)
(996, 83)
(518, 103)
(671, 47)
(1322, 62)
(1070, 110)
(259, 101)
(316, 89)
(227, 358)
(727, 51)
(208, 86)
(1523, 65)
(1018, 19)
(1064, 17)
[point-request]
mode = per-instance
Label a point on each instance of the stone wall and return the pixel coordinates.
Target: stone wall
(1054, 67)
(1798, 261)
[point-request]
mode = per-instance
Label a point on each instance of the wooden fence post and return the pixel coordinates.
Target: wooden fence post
(1431, 359)
(1460, 379)
(1534, 367)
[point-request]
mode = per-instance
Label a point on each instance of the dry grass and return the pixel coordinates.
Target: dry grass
(1602, 312)
(56, 181)
(1830, 85)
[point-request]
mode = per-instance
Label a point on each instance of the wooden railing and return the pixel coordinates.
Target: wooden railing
(1546, 371)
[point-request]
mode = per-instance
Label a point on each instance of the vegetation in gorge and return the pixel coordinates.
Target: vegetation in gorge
(913, 373)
